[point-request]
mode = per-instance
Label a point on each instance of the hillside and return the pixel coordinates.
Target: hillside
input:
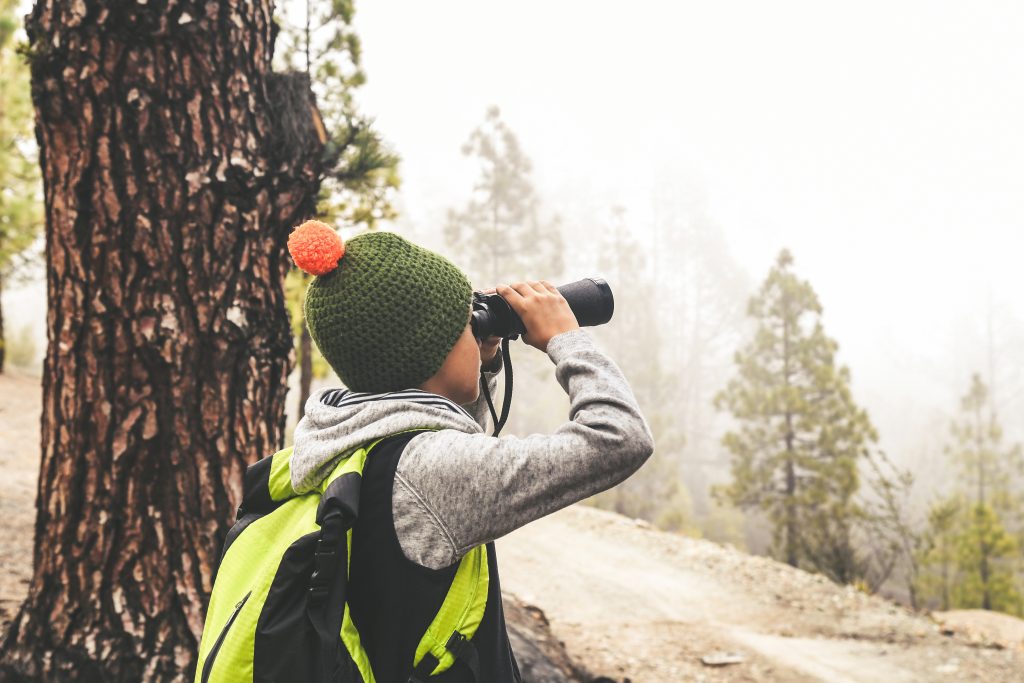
(630, 602)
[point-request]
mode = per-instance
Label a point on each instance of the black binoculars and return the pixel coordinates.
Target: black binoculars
(590, 299)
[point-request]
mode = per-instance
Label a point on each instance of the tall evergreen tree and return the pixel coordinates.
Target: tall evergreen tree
(21, 205)
(990, 468)
(359, 173)
(656, 492)
(359, 170)
(937, 556)
(800, 437)
(175, 162)
(986, 556)
(987, 553)
(499, 236)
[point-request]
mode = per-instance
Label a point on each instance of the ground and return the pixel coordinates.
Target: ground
(632, 602)
(20, 407)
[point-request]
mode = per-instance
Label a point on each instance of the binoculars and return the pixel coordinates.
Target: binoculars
(590, 299)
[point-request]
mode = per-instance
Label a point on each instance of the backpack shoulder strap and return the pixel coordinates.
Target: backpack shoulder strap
(449, 635)
(267, 483)
(457, 620)
(327, 603)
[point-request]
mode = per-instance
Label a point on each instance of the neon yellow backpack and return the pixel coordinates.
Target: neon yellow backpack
(300, 545)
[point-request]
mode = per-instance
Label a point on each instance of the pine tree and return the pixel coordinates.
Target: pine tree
(990, 469)
(938, 553)
(359, 172)
(634, 338)
(990, 480)
(499, 236)
(21, 206)
(359, 169)
(985, 552)
(800, 437)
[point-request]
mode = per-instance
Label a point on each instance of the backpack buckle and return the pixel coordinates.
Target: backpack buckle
(317, 592)
(325, 562)
(465, 651)
(457, 644)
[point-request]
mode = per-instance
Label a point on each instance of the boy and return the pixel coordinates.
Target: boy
(393, 320)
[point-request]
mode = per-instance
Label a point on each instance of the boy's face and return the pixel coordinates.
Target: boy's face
(459, 377)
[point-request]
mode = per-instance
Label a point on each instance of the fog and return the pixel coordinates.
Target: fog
(880, 142)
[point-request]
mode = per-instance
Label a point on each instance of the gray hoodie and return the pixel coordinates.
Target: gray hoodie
(459, 487)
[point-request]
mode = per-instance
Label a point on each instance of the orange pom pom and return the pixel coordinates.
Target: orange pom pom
(315, 247)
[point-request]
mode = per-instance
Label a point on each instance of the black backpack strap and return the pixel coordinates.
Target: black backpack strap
(465, 651)
(328, 584)
(328, 587)
(461, 647)
(423, 670)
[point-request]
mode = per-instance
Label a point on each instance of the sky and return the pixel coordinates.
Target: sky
(881, 142)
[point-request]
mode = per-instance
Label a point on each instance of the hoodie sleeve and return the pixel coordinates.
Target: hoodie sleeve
(455, 490)
(478, 408)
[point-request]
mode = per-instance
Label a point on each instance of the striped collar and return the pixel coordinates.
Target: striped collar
(340, 398)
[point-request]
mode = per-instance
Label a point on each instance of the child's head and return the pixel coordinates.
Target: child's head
(387, 314)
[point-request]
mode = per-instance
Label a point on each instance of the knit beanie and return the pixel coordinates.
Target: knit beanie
(383, 311)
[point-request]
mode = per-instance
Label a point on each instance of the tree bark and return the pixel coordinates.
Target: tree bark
(174, 167)
(791, 523)
(3, 339)
(306, 368)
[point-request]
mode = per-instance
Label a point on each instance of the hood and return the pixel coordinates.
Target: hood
(338, 421)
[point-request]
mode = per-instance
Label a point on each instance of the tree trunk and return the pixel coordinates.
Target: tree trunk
(172, 175)
(3, 339)
(791, 525)
(305, 369)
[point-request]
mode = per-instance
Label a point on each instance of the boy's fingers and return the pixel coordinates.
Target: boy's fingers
(550, 287)
(537, 286)
(522, 289)
(508, 292)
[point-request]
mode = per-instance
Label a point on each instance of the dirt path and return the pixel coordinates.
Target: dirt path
(633, 602)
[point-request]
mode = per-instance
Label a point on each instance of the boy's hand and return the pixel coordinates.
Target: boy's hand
(542, 308)
(489, 346)
(489, 352)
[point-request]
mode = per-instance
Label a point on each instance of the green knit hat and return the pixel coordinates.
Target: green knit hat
(383, 311)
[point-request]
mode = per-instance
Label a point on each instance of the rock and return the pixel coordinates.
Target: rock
(722, 659)
(983, 627)
(541, 657)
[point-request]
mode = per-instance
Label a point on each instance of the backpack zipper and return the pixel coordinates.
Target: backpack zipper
(208, 664)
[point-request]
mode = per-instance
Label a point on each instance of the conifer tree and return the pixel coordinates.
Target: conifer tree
(985, 555)
(359, 172)
(359, 169)
(21, 205)
(938, 554)
(990, 469)
(499, 236)
(971, 525)
(800, 437)
(657, 491)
